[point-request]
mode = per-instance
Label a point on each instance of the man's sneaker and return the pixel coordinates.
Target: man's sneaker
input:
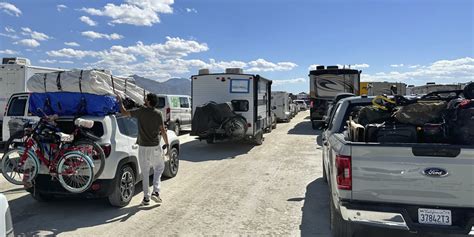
(146, 202)
(156, 197)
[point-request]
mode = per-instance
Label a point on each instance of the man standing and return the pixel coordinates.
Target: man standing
(150, 127)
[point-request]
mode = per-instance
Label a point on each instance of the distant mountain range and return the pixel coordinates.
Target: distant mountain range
(174, 86)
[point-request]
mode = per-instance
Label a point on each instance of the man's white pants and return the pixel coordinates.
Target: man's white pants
(151, 157)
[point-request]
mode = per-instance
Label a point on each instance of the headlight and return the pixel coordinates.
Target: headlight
(8, 223)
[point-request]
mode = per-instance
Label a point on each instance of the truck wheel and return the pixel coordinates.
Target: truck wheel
(274, 126)
(172, 166)
(124, 187)
(258, 139)
(339, 227)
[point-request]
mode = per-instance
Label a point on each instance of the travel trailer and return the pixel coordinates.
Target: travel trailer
(230, 106)
(281, 106)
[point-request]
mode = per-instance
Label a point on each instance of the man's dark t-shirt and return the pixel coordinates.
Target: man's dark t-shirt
(149, 122)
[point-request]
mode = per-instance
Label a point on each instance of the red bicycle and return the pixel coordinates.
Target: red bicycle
(46, 145)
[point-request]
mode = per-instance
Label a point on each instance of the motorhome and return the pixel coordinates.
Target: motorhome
(383, 88)
(14, 74)
(249, 97)
(281, 105)
(325, 84)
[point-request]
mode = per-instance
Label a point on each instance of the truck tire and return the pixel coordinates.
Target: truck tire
(124, 187)
(258, 139)
(339, 227)
(172, 166)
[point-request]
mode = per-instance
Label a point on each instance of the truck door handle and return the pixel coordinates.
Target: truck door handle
(134, 147)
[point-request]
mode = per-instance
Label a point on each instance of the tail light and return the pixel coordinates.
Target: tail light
(344, 172)
(107, 149)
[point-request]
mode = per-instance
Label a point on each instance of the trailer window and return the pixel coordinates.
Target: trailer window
(240, 105)
(17, 106)
(183, 102)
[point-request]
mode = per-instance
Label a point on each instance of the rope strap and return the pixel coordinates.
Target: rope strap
(58, 82)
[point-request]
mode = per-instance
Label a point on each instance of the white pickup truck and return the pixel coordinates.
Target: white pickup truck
(415, 187)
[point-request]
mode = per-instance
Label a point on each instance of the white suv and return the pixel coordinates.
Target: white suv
(6, 224)
(121, 171)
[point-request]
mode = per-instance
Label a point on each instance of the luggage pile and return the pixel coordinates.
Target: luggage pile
(439, 117)
(81, 92)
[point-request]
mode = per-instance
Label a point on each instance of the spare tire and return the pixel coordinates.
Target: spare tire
(236, 127)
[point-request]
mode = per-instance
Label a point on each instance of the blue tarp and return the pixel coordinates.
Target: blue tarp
(72, 104)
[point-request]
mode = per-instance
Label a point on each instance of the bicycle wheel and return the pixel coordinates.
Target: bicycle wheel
(16, 173)
(15, 140)
(95, 152)
(75, 172)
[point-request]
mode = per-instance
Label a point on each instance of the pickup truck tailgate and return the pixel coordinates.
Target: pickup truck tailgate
(394, 174)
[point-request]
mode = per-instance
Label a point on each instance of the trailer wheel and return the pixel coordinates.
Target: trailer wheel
(258, 139)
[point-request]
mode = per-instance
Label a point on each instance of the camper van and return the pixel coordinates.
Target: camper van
(247, 95)
(176, 110)
(281, 106)
(14, 73)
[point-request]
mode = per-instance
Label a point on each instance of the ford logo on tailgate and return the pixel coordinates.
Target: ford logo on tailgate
(435, 172)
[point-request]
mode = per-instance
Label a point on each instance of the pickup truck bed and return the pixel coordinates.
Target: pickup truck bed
(416, 187)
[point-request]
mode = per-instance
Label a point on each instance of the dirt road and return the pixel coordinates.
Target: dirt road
(222, 189)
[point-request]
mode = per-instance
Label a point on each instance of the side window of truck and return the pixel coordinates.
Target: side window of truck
(333, 116)
(17, 106)
(183, 102)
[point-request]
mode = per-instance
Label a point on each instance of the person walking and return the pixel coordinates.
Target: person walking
(150, 129)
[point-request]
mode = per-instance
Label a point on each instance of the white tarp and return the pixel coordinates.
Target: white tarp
(93, 81)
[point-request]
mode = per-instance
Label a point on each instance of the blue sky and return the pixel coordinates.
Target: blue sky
(412, 41)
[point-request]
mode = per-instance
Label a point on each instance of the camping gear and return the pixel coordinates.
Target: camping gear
(469, 91)
(371, 114)
(72, 104)
(356, 131)
(212, 117)
(434, 132)
(421, 112)
(391, 133)
(86, 81)
(462, 123)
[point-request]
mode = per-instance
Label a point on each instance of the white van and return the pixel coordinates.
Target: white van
(176, 110)
(281, 105)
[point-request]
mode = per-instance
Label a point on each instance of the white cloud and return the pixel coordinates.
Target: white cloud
(189, 10)
(11, 36)
(97, 35)
(88, 20)
(72, 44)
(9, 29)
(313, 66)
(261, 65)
(34, 34)
(28, 43)
(354, 66)
(414, 66)
(51, 61)
(289, 81)
(442, 71)
(60, 7)
(72, 53)
(10, 9)
(8, 51)
(134, 12)
(397, 65)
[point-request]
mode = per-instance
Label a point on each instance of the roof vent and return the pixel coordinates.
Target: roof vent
(203, 71)
(333, 67)
(234, 71)
(321, 67)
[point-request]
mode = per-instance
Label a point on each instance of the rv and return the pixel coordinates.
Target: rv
(432, 87)
(249, 97)
(14, 73)
(325, 84)
(281, 106)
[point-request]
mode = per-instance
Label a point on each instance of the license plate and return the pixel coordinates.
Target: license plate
(434, 216)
